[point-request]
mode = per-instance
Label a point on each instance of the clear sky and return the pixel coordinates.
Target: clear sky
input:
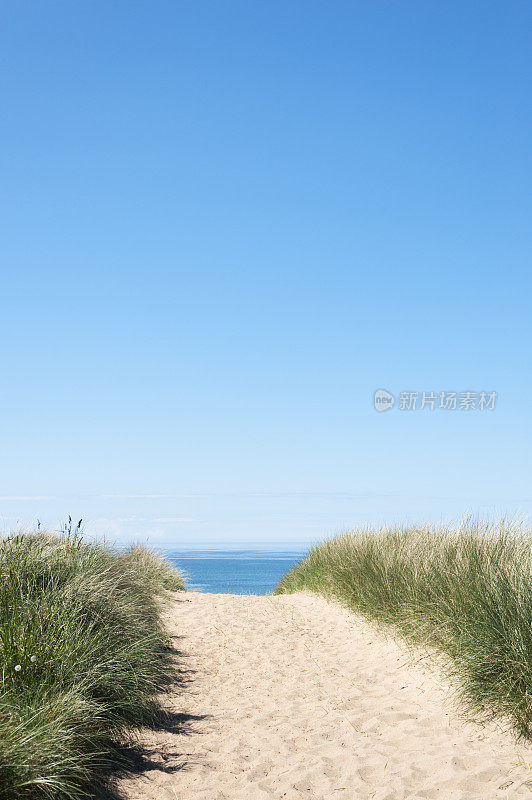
(224, 226)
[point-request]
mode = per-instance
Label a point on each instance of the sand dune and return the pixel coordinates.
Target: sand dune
(292, 697)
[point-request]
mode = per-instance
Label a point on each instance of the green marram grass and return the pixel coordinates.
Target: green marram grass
(465, 591)
(83, 655)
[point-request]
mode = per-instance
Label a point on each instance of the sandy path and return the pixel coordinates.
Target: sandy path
(292, 697)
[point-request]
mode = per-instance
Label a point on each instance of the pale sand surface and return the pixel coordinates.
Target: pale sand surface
(293, 697)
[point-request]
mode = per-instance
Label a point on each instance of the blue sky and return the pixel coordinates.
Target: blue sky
(224, 225)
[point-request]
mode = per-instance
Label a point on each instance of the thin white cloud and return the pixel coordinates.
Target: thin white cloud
(259, 493)
(134, 520)
(149, 496)
(6, 498)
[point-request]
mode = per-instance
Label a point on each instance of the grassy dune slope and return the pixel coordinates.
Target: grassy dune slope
(465, 591)
(83, 655)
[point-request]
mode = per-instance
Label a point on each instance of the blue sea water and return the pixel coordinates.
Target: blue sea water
(234, 571)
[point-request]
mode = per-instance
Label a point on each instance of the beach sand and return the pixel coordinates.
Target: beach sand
(293, 697)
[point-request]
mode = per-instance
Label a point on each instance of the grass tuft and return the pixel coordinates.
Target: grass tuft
(83, 655)
(156, 569)
(465, 591)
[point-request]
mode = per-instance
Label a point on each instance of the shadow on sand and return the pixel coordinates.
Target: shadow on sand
(134, 758)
